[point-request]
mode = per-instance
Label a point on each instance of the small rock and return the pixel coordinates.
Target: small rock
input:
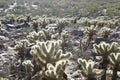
(100, 39)
(78, 33)
(3, 38)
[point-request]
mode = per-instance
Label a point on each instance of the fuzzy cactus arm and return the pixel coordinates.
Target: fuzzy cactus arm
(115, 47)
(82, 62)
(43, 48)
(35, 53)
(51, 72)
(114, 58)
(60, 68)
(45, 33)
(40, 53)
(28, 65)
(65, 56)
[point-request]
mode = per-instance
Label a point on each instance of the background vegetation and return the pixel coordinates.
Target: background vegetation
(66, 7)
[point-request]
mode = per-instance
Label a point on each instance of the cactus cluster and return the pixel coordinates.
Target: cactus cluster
(61, 24)
(83, 45)
(55, 72)
(105, 32)
(44, 23)
(115, 62)
(51, 58)
(21, 46)
(43, 35)
(28, 66)
(64, 37)
(105, 49)
(90, 31)
(49, 48)
(99, 21)
(28, 69)
(35, 25)
(48, 52)
(88, 69)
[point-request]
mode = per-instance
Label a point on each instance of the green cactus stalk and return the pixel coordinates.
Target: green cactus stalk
(88, 71)
(115, 62)
(104, 49)
(48, 52)
(29, 69)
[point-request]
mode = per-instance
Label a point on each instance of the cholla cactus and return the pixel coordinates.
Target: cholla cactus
(47, 33)
(104, 49)
(28, 17)
(43, 35)
(55, 72)
(48, 52)
(33, 36)
(105, 32)
(29, 68)
(35, 25)
(85, 21)
(101, 23)
(61, 24)
(21, 19)
(90, 31)
(44, 22)
(83, 45)
(64, 37)
(88, 71)
(111, 24)
(115, 62)
(20, 47)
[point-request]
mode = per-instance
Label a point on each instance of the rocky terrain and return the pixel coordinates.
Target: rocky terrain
(78, 37)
